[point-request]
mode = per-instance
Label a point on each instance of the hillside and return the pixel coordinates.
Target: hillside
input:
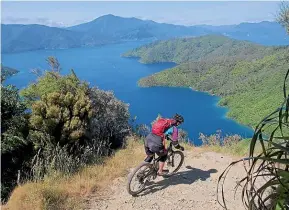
(209, 47)
(111, 29)
(16, 38)
(7, 72)
(240, 72)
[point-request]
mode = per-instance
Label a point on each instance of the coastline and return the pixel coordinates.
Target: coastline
(217, 104)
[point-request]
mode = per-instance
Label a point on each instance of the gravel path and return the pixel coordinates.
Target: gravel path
(193, 187)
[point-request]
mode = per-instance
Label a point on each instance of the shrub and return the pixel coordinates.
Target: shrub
(15, 147)
(71, 123)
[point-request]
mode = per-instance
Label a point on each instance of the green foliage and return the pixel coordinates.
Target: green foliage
(13, 121)
(51, 82)
(210, 47)
(7, 72)
(239, 72)
(15, 147)
(110, 117)
(71, 123)
(61, 116)
(272, 163)
(229, 144)
(52, 159)
(68, 125)
(219, 140)
(283, 17)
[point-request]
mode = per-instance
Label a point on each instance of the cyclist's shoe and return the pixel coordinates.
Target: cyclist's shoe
(164, 172)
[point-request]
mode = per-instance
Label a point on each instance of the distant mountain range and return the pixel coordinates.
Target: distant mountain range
(112, 29)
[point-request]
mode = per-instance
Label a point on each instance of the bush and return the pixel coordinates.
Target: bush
(283, 17)
(71, 123)
(61, 117)
(219, 140)
(61, 125)
(15, 147)
(110, 118)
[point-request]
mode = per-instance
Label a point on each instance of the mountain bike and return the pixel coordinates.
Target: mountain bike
(146, 172)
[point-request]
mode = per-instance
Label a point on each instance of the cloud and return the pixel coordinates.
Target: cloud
(256, 20)
(49, 22)
(80, 21)
(38, 20)
(14, 20)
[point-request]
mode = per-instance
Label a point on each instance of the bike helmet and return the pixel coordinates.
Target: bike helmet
(179, 118)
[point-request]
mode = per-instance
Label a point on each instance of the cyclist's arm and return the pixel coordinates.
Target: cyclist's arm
(173, 135)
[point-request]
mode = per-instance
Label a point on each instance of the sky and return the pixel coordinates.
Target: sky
(67, 13)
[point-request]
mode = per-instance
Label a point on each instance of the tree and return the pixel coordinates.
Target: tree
(16, 149)
(110, 117)
(283, 16)
(72, 124)
(60, 116)
(59, 123)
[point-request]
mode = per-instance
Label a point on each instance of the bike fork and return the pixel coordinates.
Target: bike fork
(171, 162)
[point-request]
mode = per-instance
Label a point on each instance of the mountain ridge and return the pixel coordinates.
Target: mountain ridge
(109, 29)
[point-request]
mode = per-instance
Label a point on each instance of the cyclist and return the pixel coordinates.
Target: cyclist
(154, 142)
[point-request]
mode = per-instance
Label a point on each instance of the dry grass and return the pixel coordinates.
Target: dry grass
(238, 150)
(58, 192)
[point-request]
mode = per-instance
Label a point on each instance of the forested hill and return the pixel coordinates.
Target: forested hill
(7, 72)
(247, 76)
(209, 47)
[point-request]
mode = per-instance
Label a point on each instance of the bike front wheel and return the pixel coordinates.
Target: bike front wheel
(138, 178)
(174, 162)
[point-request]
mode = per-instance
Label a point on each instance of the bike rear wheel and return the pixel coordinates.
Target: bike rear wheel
(174, 162)
(141, 174)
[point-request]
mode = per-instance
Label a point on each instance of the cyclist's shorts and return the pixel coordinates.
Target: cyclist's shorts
(154, 144)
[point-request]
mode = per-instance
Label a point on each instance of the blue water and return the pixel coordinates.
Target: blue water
(104, 67)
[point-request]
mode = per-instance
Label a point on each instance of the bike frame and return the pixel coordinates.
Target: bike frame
(156, 160)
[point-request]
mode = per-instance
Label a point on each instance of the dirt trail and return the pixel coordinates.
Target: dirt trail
(193, 187)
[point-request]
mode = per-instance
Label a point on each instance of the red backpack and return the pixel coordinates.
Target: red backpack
(161, 125)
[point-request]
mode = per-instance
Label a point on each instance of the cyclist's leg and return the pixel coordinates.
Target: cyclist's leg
(154, 144)
(163, 154)
(148, 152)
